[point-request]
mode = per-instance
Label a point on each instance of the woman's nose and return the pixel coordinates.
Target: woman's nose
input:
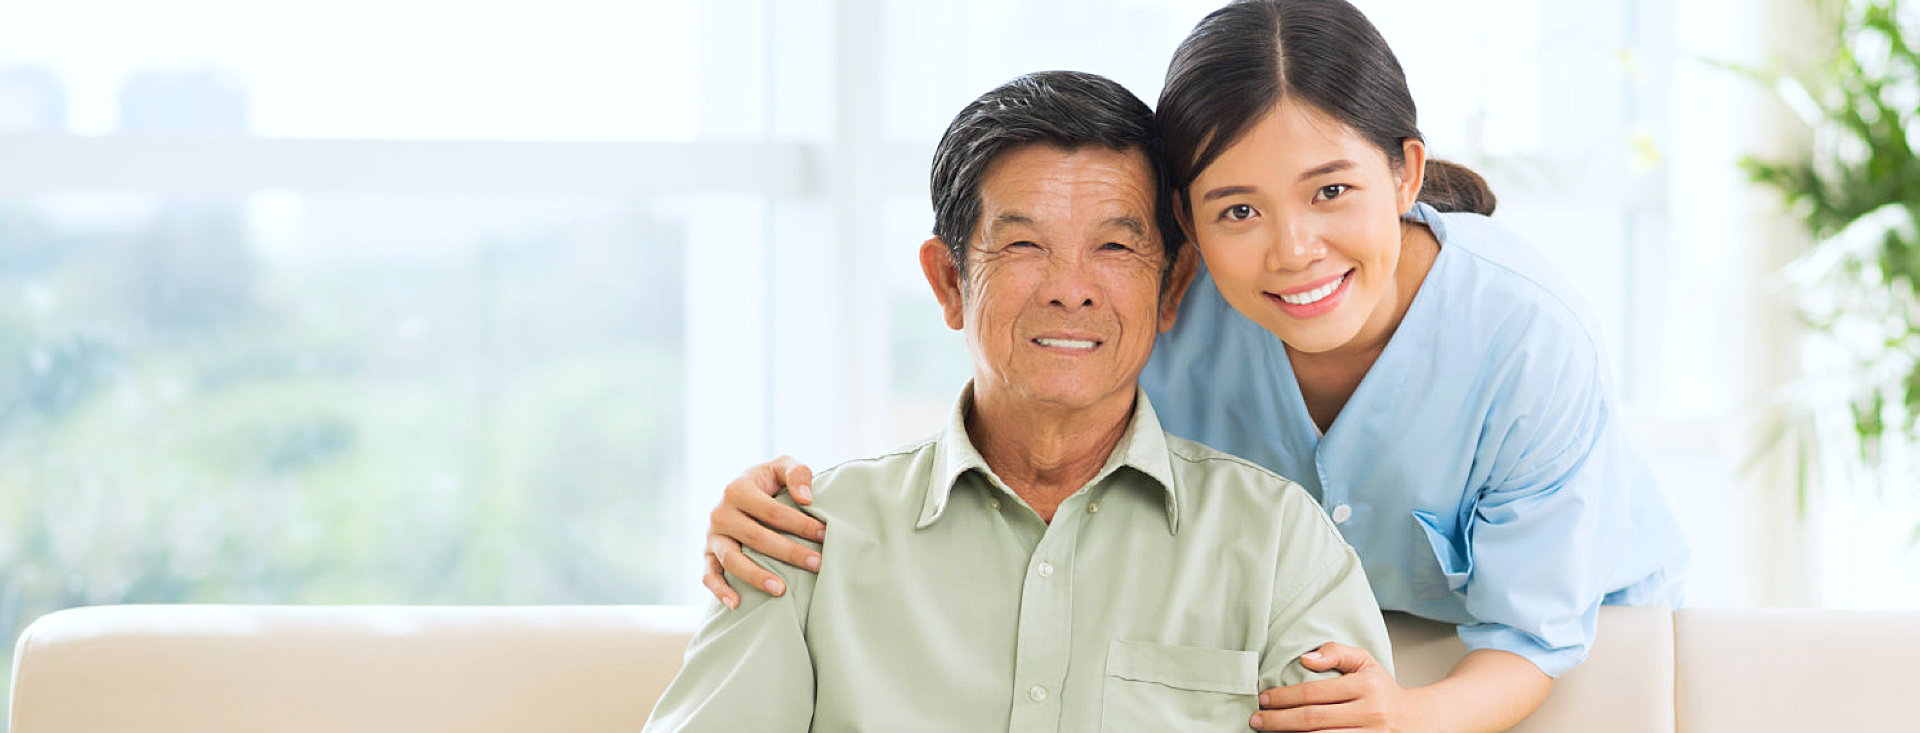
(1294, 248)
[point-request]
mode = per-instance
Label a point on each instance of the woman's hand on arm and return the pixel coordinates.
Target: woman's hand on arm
(1488, 691)
(749, 514)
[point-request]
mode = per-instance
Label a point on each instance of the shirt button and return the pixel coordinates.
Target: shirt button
(1093, 507)
(1342, 513)
(1046, 571)
(995, 503)
(1037, 693)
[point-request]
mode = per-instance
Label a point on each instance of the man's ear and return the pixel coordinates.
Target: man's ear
(1183, 214)
(1177, 282)
(1413, 173)
(937, 263)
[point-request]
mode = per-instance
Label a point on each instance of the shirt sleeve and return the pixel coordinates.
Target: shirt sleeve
(748, 668)
(1544, 534)
(1321, 594)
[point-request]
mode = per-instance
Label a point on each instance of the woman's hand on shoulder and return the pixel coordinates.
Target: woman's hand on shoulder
(749, 514)
(1365, 697)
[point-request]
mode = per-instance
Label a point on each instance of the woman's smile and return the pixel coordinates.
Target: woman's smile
(1314, 298)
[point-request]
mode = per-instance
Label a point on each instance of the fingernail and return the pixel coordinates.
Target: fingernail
(820, 535)
(813, 562)
(1254, 722)
(1263, 699)
(774, 586)
(803, 493)
(733, 604)
(1311, 656)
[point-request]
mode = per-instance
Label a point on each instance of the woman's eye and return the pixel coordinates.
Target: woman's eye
(1328, 193)
(1237, 212)
(1023, 245)
(1116, 247)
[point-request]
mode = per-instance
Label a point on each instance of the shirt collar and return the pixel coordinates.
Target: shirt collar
(1143, 448)
(1424, 213)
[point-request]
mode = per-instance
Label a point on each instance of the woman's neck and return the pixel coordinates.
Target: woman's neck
(1328, 379)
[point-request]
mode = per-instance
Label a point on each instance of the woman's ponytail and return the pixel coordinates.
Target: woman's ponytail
(1452, 187)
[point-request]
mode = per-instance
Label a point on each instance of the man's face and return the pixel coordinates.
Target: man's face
(1062, 298)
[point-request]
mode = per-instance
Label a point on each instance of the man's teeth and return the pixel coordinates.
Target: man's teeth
(1066, 343)
(1314, 295)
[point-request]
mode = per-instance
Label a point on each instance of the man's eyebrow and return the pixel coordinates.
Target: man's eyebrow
(1009, 220)
(1129, 223)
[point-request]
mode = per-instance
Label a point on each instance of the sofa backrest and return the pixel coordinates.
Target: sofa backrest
(1759, 670)
(1625, 685)
(294, 669)
(290, 669)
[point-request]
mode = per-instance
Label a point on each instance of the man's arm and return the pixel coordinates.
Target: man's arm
(746, 669)
(1323, 598)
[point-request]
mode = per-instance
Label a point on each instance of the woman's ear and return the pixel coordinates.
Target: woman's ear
(1413, 173)
(937, 263)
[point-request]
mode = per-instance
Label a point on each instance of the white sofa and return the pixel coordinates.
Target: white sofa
(588, 669)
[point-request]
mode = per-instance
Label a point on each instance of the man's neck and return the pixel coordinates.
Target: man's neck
(1045, 455)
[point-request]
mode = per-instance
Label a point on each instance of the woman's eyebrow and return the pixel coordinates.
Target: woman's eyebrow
(1329, 167)
(1225, 191)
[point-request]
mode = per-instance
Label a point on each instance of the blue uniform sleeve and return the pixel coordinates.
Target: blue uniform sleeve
(1547, 529)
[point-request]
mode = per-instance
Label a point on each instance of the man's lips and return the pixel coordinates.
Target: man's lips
(1067, 340)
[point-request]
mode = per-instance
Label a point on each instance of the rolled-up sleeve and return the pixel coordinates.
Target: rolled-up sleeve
(748, 668)
(1543, 538)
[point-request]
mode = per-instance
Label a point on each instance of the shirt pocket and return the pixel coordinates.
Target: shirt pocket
(1162, 687)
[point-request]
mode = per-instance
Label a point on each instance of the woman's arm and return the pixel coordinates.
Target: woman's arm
(1487, 691)
(749, 514)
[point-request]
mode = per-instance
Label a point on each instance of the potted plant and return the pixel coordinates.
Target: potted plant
(1857, 192)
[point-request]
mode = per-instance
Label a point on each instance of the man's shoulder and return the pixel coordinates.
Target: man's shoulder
(1209, 473)
(884, 478)
(1226, 498)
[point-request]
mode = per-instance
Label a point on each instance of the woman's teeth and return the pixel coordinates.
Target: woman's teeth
(1315, 295)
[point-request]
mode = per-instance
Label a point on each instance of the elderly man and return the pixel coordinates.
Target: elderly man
(1052, 560)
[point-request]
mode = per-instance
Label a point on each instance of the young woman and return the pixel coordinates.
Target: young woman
(1363, 328)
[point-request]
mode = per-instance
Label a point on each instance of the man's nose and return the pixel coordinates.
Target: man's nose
(1070, 283)
(1295, 248)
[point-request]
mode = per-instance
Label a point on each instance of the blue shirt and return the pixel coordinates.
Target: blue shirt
(1481, 470)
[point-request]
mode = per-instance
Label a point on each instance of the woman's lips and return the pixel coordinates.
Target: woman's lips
(1314, 299)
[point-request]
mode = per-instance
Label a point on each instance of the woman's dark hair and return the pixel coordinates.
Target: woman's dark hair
(1067, 109)
(1242, 59)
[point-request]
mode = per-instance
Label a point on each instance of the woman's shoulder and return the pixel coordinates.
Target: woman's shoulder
(1512, 288)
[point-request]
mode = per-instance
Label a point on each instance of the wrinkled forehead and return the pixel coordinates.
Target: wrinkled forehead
(1044, 187)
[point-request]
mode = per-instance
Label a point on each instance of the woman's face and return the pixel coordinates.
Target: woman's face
(1299, 222)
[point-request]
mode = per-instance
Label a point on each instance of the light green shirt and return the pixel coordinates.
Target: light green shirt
(1164, 595)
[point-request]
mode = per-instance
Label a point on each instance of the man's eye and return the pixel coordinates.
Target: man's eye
(1023, 245)
(1329, 193)
(1115, 247)
(1237, 212)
